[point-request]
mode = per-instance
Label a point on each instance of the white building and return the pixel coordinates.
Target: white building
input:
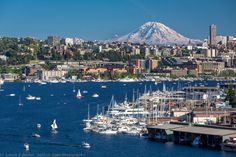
(222, 39)
(69, 41)
(77, 41)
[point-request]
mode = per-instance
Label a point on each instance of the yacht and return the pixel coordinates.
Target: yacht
(12, 94)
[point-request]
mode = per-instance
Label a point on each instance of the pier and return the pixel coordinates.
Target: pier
(184, 133)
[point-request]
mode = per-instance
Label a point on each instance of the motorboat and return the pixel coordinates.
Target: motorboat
(30, 97)
(37, 98)
(103, 86)
(26, 146)
(86, 145)
(39, 126)
(95, 95)
(12, 94)
(85, 92)
(36, 135)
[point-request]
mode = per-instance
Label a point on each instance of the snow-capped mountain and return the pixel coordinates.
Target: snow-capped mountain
(155, 33)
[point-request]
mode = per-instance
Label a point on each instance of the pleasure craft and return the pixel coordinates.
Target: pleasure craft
(95, 95)
(39, 126)
(36, 135)
(26, 146)
(86, 145)
(30, 97)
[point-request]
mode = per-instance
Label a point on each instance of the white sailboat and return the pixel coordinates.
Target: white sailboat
(79, 96)
(54, 125)
(88, 122)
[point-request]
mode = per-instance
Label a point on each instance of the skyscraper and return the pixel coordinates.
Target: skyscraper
(53, 40)
(213, 35)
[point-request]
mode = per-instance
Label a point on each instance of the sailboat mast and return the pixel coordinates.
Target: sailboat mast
(88, 112)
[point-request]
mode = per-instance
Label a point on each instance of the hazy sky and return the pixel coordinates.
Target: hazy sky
(102, 19)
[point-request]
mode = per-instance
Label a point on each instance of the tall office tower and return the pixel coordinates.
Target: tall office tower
(213, 35)
(53, 40)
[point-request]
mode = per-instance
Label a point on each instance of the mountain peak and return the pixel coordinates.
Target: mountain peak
(155, 33)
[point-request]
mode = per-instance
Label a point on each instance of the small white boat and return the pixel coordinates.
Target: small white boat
(30, 97)
(39, 126)
(37, 98)
(86, 145)
(79, 96)
(103, 86)
(85, 92)
(12, 94)
(95, 95)
(54, 81)
(109, 132)
(36, 135)
(54, 125)
(26, 146)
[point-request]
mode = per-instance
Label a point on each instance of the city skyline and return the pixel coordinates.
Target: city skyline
(91, 20)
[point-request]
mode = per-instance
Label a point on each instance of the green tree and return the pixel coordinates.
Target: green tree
(231, 96)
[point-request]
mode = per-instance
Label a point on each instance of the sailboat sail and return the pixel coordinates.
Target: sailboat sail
(54, 125)
(79, 96)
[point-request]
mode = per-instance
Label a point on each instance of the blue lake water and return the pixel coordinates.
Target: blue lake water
(18, 123)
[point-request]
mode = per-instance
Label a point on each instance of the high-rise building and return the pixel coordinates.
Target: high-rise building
(213, 35)
(53, 40)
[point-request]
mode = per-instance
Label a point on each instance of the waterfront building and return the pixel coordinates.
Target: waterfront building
(51, 74)
(210, 66)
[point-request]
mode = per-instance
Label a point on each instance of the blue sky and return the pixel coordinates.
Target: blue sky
(102, 19)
